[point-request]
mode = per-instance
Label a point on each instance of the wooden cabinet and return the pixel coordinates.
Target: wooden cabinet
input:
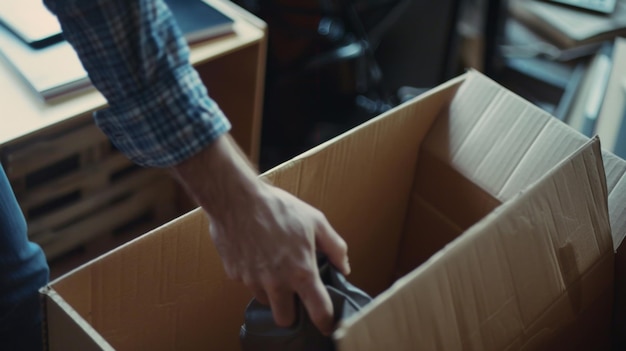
(75, 189)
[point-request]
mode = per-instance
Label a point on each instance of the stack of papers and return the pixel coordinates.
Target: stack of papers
(569, 27)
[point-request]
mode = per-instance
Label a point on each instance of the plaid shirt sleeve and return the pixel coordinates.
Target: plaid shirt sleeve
(159, 112)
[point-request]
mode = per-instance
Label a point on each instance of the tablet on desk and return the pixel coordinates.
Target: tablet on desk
(31, 22)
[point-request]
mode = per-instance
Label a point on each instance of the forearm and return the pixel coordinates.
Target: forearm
(220, 178)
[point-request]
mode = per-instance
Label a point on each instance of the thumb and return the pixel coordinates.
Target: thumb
(335, 248)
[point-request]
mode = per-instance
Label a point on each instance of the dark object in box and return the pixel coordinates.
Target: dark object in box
(260, 333)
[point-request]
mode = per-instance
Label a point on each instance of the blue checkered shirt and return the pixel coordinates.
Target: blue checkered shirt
(159, 112)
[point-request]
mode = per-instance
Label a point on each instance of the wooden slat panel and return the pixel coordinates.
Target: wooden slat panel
(40, 153)
(73, 181)
(92, 203)
(106, 221)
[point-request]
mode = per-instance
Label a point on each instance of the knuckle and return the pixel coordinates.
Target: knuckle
(320, 216)
(298, 276)
(342, 245)
(273, 285)
(249, 281)
(303, 276)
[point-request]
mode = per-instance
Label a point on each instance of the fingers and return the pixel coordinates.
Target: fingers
(260, 295)
(283, 306)
(317, 302)
(335, 248)
(313, 295)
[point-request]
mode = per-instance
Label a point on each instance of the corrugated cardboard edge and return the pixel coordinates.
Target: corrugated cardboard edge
(616, 174)
(444, 86)
(61, 318)
(617, 208)
(351, 325)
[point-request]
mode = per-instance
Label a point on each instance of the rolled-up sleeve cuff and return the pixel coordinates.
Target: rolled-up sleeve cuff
(167, 122)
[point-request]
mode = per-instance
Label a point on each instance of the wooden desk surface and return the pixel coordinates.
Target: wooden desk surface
(24, 113)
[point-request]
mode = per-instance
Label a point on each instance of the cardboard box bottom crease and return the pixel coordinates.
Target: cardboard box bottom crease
(478, 221)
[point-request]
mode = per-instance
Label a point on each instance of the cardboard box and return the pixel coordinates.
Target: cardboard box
(477, 220)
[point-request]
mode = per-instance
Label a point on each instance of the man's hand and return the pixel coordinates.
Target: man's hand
(266, 237)
(271, 248)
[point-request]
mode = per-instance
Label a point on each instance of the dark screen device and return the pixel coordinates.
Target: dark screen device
(31, 22)
(199, 20)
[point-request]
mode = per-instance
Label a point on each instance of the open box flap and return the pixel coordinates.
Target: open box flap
(500, 265)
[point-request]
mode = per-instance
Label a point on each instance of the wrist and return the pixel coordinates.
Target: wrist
(220, 178)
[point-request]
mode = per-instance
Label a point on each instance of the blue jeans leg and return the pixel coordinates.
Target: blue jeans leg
(23, 270)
